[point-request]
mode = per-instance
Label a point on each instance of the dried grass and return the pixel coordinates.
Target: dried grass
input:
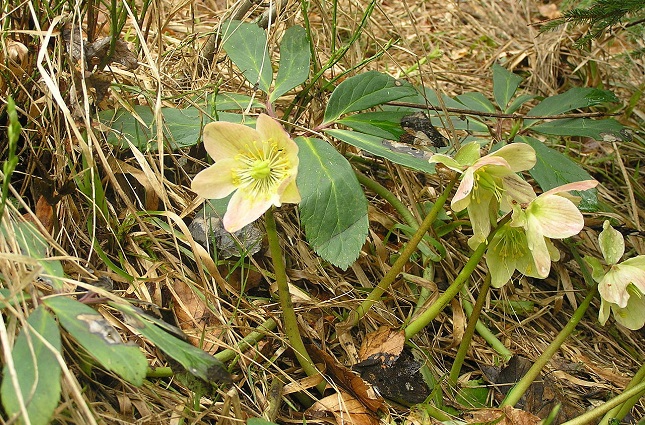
(446, 45)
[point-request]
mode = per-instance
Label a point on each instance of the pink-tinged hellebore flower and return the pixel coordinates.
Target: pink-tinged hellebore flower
(259, 165)
(622, 287)
(490, 183)
(550, 215)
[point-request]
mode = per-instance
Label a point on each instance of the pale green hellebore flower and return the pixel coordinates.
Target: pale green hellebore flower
(622, 287)
(509, 251)
(259, 165)
(490, 183)
(551, 215)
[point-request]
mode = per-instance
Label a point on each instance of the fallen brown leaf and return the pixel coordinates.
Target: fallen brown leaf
(345, 408)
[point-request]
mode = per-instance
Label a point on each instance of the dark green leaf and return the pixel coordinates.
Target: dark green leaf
(100, 339)
(294, 62)
(381, 124)
(473, 394)
(554, 169)
(333, 209)
(194, 360)
(246, 45)
(223, 101)
(36, 369)
(476, 101)
(376, 146)
(518, 102)
(182, 127)
(505, 84)
(575, 98)
(583, 127)
(364, 91)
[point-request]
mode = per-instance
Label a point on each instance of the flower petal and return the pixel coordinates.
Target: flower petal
(225, 139)
(479, 212)
(447, 161)
(290, 193)
(462, 196)
(538, 248)
(216, 181)
(244, 209)
(605, 309)
(556, 216)
(519, 156)
(518, 189)
(468, 153)
(580, 185)
(612, 243)
(501, 268)
(633, 315)
(270, 129)
(613, 286)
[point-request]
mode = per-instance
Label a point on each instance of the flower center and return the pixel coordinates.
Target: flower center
(262, 170)
(511, 243)
(486, 182)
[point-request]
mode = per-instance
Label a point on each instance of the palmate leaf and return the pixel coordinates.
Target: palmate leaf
(246, 45)
(294, 62)
(194, 360)
(554, 169)
(364, 91)
(333, 209)
(505, 84)
(99, 339)
(36, 369)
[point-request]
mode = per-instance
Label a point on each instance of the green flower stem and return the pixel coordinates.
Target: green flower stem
(473, 319)
(489, 336)
(381, 191)
(288, 313)
(619, 412)
(409, 249)
(433, 311)
(246, 342)
(593, 414)
(520, 388)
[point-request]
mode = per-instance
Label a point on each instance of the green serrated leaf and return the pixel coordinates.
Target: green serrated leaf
(375, 146)
(476, 101)
(381, 124)
(294, 62)
(333, 209)
(575, 98)
(33, 244)
(505, 84)
(364, 91)
(100, 339)
(36, 369)
(194, 360)
(579, 127)
(554, 169)
(246, 45)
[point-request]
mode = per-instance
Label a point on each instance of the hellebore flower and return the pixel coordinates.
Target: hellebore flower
(509, 251)
(489, 183)
(550, 215)
(622, 287)
(259, 165)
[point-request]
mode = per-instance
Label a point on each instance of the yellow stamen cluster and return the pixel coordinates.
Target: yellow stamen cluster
(261, 170)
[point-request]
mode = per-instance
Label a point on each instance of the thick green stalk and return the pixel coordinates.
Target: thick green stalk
(593, 414)
(619, 412)
(470, 330)
(290, 321)
(488, 335)
(246, 342)
(520, 388)
(381, 191)
(409, 249)
(433, 311)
